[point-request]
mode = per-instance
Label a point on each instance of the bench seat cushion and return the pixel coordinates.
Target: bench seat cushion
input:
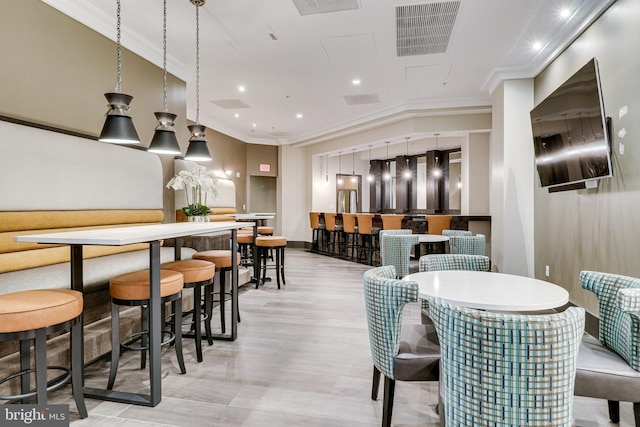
(97, 271)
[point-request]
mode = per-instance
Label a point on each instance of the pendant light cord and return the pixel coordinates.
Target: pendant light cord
(353, 161)
(164, 57)
(197, 64)
(118, 50)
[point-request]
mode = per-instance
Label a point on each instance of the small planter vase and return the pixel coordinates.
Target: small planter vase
(198, 218)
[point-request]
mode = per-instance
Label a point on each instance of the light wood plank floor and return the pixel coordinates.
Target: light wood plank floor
(301, 359)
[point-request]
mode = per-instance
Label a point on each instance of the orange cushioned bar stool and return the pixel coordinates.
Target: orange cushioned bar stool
(133, 289)
(317, 232)
(198, 275)
(263, 245)
(222, 259)
(32, 315)
(245, 243)
(265, 230)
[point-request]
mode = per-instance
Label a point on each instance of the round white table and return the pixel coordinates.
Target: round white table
(490, 291)
(430, 238)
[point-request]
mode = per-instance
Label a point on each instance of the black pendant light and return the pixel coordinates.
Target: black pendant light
(198, 150)
(118, 127)
(164, 139)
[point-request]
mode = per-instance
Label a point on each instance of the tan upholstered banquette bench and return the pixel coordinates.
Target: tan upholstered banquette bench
(54, 182)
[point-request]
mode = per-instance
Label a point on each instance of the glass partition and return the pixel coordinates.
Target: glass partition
(422, 183)
(392, 173)
(455, 180)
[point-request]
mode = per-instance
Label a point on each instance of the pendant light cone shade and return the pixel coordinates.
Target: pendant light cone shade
(164, 138)
(198, 150)
(118, 127)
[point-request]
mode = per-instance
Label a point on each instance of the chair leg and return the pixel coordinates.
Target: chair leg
(265, 255)
(115, 345)
(25, 365)
(284, 282)
(376, 384)
(41, 365)
(387, 405)
(177, 315)
(258, 261)
(197, 320)
(76, 368)
(614, 411)
(208, 309)
(278, 266)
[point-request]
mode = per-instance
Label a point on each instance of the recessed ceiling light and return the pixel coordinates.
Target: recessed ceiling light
(254, 125)
(537, 46)
(355, 82)
(236, 115)
(299, 115)
(565, 13)
(241, 88)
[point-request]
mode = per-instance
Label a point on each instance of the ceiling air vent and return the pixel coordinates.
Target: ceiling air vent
(313, 7)
(424, 29)
(230, 104)
(371, 98)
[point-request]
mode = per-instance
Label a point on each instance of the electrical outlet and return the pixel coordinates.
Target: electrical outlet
(546, 270)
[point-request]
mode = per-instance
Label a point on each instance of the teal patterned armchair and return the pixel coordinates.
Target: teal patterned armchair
(450, 233)
(400, 352)
(450, 262)
(609, 368)
(505, 369)
(470, 245)
(395, 249)
(454, 262)
(402, 232)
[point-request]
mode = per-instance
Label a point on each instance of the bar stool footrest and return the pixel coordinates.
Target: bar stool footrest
(50, 386)
(127, 342)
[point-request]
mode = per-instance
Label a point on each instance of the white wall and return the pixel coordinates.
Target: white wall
(512, 181)
(293, 218)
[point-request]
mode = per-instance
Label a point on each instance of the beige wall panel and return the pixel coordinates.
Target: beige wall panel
(229, 154)
(56, 72)
(262, 154)
(597, 229)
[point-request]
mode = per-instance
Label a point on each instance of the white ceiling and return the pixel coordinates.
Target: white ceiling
(308, 69)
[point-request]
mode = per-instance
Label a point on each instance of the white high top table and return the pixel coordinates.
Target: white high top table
(151, 234)
(489, 291)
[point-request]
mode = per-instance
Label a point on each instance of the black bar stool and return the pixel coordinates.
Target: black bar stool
(222, 259)
(198, 275)
(263, 245)
(32, 315)
(132, 289)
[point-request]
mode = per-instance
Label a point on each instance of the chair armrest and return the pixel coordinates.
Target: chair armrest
(629, 300)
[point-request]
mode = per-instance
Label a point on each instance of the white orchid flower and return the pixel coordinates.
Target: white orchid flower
(198, 181)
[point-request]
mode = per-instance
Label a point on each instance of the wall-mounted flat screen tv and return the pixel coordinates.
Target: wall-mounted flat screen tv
(570, 134)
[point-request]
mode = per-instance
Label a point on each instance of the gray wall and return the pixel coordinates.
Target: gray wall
(597, 229)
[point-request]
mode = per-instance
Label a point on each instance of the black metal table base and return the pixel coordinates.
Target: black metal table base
(118, 396)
